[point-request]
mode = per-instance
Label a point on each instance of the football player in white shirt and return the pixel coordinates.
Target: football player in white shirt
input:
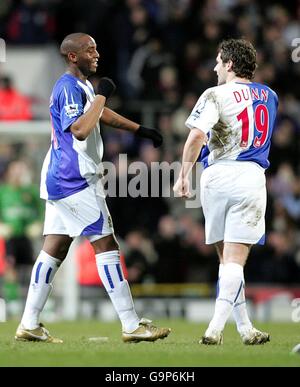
(75, 203)
(231, 127)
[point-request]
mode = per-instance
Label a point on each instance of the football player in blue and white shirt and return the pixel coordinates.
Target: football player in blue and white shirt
(232, 124)
(71, 186)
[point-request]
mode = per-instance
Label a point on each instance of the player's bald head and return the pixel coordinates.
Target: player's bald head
(74, 43)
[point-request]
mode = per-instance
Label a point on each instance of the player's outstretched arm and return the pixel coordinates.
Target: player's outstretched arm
(82, 127)
(111, 118)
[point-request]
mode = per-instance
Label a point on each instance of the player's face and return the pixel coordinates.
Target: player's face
(87, 57)
(221, 70)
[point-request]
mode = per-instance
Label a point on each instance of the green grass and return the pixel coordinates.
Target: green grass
(180, 349)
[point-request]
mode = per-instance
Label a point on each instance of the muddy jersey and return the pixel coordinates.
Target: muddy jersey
(238, 119)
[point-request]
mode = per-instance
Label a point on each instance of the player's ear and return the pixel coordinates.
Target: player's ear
(229, 65)
(72, 56)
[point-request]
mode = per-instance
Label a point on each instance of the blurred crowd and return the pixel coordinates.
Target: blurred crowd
(161, 55)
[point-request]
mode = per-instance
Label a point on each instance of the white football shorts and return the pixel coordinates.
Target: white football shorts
(233, 197)
(84, 213)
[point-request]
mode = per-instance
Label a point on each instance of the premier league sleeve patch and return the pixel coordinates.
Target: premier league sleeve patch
(72, 110)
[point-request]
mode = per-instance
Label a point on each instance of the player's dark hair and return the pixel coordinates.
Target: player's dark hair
(242, 54)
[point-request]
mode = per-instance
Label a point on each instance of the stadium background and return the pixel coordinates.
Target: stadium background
(161, 55)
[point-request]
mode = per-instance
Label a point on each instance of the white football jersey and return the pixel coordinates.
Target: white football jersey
(238, 119)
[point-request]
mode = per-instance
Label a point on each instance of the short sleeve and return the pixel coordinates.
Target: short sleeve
(206, 112)
(71, 105)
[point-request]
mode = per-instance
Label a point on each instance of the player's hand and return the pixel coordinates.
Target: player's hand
(152, 134)
(106, 87)
(182, 188)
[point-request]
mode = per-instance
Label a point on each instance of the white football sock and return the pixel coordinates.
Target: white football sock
(230, 285)
(117, 287)
(40, 287)
(221, 267)
(240, 313)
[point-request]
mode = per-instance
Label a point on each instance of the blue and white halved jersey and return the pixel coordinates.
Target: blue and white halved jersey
(70, 165)
(238, 119)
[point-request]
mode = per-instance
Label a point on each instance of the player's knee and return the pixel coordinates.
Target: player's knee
(57, 247)
(108, 243)
(63, 252)
(58, 253)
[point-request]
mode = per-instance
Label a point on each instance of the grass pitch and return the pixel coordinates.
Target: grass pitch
(180, 349)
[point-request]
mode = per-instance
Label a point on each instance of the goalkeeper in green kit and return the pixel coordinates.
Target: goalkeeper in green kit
(21, 214)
